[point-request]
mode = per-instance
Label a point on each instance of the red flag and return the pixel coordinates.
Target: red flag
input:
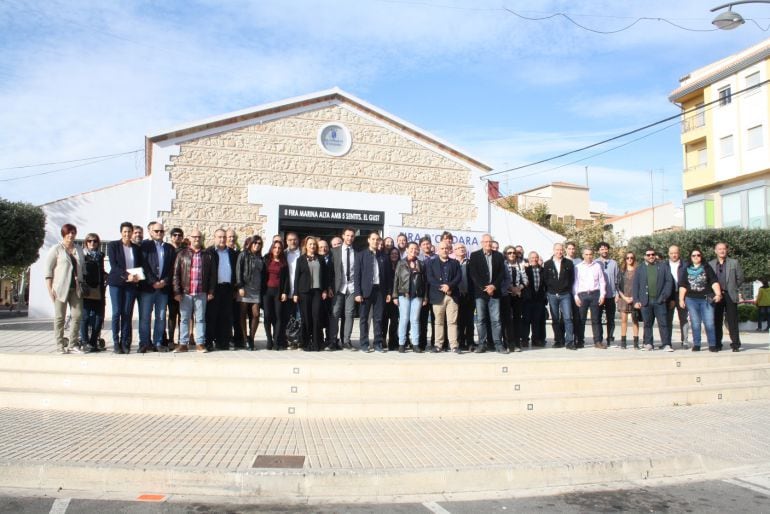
(493, 190)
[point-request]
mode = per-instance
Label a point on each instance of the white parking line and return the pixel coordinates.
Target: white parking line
(751, 485)
(60, 506)
(435, 507)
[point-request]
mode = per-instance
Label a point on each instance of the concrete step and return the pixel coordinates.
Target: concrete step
(381, 389)
(347, 365)
(413, 405)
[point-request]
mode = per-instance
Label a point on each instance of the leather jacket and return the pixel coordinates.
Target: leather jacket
(403, 277)
(182, 272)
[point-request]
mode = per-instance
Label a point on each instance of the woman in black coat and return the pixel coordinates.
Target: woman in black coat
(311, 286)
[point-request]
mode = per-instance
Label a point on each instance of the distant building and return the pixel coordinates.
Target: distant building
(725, 144)
(566, 203)
(644, 222)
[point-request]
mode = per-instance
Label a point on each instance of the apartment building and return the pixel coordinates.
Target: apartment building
(725, 147)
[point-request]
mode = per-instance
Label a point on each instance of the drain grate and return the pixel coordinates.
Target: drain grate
(279, 461)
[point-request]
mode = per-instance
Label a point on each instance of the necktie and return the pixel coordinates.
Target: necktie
(347, 259)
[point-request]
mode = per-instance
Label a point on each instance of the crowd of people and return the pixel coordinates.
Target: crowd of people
(311, 291)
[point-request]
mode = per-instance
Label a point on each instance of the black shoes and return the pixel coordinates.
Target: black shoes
(695, 348)
(401, 349)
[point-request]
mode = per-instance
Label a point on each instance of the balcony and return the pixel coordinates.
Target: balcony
(693, 128)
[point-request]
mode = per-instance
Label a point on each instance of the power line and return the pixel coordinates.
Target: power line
(70, 161)
(624, 134)
(65, 169)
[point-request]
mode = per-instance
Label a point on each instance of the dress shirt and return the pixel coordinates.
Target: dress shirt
(589, 277)
(557, 265)
(128, 252)
(536, 277)
(463, 287)
(675, 272)
(159, 250)
(488, 257)
(291, 260)
(376, 274)
(224, 271)
(348, 267)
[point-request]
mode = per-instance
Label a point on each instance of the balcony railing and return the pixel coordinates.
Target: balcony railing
(693, 122)
(696, 167)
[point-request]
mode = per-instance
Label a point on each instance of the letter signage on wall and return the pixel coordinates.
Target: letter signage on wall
(327, 215)
(471, 240)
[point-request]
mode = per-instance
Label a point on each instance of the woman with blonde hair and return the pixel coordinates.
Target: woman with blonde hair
(311, 286)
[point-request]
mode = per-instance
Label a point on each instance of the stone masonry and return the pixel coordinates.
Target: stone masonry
(211, 174)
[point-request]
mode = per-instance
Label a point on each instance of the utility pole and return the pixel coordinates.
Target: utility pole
(586, 168)
(652, 201)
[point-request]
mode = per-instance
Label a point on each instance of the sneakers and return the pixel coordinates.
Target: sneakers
(456, 351)
(63, 351)
(75, 349)
(517, 348)
(668, 348)
(648, 347)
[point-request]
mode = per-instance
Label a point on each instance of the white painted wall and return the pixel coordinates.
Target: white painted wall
(666, 217)
(510, 228)
(100, 211)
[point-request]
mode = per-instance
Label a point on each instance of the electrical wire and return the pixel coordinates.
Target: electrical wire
(70, 161)
(64, 169)
(624, 134)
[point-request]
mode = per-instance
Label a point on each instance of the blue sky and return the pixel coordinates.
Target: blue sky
(83, 79)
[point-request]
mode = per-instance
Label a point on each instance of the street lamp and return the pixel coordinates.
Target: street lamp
(730, 19)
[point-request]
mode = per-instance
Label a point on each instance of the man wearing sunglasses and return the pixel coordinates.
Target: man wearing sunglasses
(652, 288)
(177, 236)
(157, 262)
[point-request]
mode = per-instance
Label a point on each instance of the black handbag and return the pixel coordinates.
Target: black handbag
(293, 330)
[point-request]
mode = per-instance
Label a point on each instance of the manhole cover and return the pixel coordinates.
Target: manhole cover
(279, 461)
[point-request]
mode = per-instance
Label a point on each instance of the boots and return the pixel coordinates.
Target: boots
(250, 342)
(636, 342)
(623, 342)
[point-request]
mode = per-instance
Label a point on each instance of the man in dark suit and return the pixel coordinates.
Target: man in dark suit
(651, 290)
(157, 263)
(533, 301)
(343, 303)
(559, 276)
(123, 256)
(219, 311)
(487, 272)
(730, 276)
(370, 291)
(444, 276)
(465, 300)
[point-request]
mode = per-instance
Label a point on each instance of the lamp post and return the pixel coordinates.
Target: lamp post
(730, 19)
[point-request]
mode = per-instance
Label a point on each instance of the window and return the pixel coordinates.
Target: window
(699, 214)
(757, 207)
(700, 117)
(754, 137)
(725, 96)
(726, 146)
(703, 157)
(731, 210)
(752, 79)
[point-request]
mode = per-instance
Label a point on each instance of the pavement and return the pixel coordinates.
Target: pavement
(362, 460)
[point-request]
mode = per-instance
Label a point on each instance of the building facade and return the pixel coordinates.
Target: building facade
(311, 164)
(725, 146)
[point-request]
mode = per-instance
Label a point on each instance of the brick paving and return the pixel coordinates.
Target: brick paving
(734, 433)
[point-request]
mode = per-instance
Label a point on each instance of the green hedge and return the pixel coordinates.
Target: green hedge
(750, 246)
(747, 312)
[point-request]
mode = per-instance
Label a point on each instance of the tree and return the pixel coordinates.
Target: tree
(751, 247)
(21, 233)
(592, 235)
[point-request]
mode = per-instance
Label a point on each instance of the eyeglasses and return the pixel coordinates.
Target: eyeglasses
(177, 235)
(91, 241)
(195, 237)
(696, 255)
(630, 258)
(649, 255)
(158, 231)
(510, 253)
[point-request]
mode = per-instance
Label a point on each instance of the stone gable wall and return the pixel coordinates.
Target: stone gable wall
(211, 174)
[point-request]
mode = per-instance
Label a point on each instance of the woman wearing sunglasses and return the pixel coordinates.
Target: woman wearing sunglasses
(698, 291)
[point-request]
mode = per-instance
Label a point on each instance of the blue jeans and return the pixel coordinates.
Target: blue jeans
(122, 299)
(408, 314)
(561, 312)
(489, 308)
(157, 301)
(659, 312)
(192, 305)
(701, 310)
(91, 322)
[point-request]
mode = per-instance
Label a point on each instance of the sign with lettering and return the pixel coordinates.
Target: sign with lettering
(328, 215)
(471, 240)
(334, 139)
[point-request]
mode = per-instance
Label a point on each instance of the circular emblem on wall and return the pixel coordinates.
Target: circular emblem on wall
(334, 139)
